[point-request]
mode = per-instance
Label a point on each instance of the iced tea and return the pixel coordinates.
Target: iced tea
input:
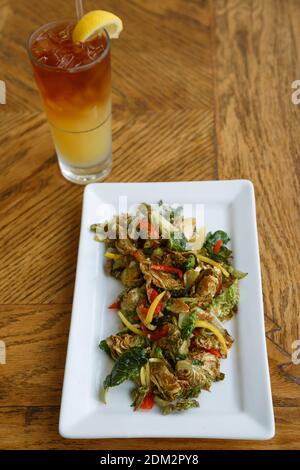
(75, 84)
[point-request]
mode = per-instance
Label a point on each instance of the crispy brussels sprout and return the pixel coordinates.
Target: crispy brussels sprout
(223, 304)
(190, 278)
(176, 406)
(131, 276)
(211, 366)
(161, 279)
(130, 301)
(205, 341)
(207, 288)
(202, 374)
(126, 247)
(171, 343)
(117, 344)
(166, 382)
(177, 306)
(119, 263)
(183, 350)
(190, 372)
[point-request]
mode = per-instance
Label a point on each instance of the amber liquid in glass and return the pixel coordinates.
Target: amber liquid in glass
(75, 84)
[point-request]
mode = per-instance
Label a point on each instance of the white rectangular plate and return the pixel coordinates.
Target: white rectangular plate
(240, 407)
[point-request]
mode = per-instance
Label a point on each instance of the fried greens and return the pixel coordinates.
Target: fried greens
(178, 291)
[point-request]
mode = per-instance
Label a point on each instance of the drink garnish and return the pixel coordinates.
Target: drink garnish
(90, 24)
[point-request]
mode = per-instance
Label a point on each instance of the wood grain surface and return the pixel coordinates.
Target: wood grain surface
(201, 90)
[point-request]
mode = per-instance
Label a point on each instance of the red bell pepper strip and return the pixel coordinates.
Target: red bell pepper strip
(143, 310)
(116, 305)
(138, 255)
(217, 246)
(214, 351)
(144, 224)
(167, 269)
(161, 333)
(144, 329)
(148, 402)
(152, 293)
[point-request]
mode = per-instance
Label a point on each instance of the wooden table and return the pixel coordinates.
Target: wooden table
(201, 90)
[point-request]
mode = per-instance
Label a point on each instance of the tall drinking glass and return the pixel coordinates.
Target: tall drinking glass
(75, 84)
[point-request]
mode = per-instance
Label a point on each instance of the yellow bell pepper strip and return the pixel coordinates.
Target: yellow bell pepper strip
(213, 263)
(152, 293)
(130, 327)
(148, 376)
(103, 393)
(146, 329)
(215, 331)
(110, 255)
(152, 308)
(143, 376)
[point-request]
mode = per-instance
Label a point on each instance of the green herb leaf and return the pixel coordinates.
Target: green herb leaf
(187, 324)
(211, 239)
(126, 367)
(177, 241)
(104, 346)
(189, 263)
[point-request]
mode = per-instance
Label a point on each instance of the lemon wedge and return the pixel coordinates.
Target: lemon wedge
(94, 21)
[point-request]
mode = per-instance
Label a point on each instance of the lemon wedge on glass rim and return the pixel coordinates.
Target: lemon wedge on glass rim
(93, 22)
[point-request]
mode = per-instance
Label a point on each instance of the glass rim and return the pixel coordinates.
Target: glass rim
(54, 67)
